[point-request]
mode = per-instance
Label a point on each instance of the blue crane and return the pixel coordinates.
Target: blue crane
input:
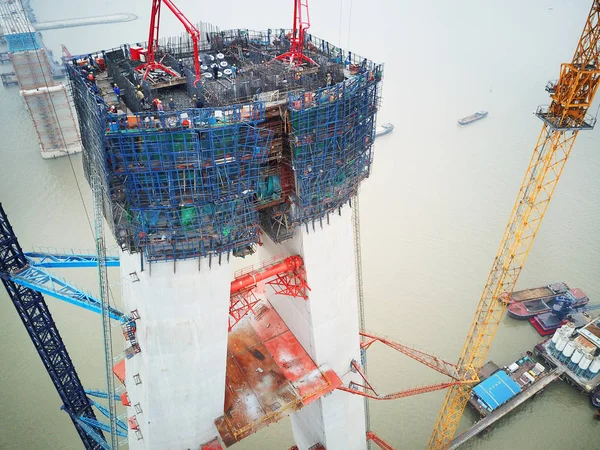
(563, 306)
(42, 330)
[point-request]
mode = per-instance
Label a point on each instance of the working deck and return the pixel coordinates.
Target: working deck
(269, 375)
(505, 409)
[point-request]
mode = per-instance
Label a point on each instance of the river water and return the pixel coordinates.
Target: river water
(432, 213)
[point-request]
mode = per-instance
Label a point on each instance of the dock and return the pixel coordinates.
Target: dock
(85, 21)
(505, 409)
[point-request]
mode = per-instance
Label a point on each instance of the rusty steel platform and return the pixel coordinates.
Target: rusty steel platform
(269, 375)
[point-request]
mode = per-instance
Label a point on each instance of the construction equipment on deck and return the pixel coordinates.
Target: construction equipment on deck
(572, 96)
(295, 55)
(151, 63)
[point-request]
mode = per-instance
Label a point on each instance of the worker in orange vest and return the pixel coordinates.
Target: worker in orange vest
(91, 78)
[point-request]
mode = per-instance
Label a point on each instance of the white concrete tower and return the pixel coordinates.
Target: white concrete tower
(327, 326)
(176, 384)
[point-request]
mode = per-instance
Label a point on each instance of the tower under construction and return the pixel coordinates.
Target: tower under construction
(218, 146)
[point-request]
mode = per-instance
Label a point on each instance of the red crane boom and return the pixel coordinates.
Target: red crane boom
(301, 24)
(151, 63)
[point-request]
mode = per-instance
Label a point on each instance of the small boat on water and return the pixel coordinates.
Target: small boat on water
(386, 128)
(472, 118)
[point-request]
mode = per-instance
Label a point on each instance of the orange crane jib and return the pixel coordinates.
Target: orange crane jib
(151, 63)
(289, 264)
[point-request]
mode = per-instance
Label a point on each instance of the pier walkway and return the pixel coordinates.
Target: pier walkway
(505, 409)
(85, 21)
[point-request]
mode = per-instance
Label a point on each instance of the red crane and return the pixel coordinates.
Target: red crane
(295, 55)
(151, 63)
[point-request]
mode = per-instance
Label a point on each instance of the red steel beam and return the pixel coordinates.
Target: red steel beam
(404, 393)
(289, 264)
(378, 441)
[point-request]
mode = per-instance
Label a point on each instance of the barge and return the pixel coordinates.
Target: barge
(576, 351)
(503, 390)
(539, 293)
(547, 323)
(527, 309)
(501, 385)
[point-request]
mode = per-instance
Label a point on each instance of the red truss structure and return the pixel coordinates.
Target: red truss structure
(289, 279)
(378, 441)
(295, 55)
(366, 389)
(242, 303)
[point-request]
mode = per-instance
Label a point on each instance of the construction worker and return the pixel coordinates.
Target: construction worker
(140, 96)
(329, 79)
(155, 103)
(160, 107)
(363, 65)
(172, 105)
(117, 91)
(113, 109)
(216, 71)
(233, 70)
(91, 78)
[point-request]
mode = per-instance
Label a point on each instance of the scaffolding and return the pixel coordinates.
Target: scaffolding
(272, 146)
(332, 133)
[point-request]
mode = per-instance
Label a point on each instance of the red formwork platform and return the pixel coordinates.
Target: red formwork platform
(119, 370)
(269, 375)
(212, 445)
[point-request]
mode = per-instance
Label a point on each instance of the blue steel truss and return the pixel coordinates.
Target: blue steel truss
(68, 260)
(120, 424)
(39, 280)
(42, 330)
(100, 394)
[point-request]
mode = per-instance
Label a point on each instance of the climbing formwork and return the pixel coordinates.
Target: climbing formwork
(331, 136)
(179, 184)
(273, 147)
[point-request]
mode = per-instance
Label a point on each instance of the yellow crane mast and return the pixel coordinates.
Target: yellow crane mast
(571, 96)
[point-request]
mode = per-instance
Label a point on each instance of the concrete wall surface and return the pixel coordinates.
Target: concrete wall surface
(327, 327)
(182, 333)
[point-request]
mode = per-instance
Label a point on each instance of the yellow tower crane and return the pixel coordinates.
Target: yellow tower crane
(571, 96)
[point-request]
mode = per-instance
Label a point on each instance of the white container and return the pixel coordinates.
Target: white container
(595, 366)
(569, 330)
(585, 362)
(562, 342)
(555, 336)
(569, 349)
(577, 356)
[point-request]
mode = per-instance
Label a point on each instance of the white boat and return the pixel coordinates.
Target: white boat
(386, 128)
(472, 118)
